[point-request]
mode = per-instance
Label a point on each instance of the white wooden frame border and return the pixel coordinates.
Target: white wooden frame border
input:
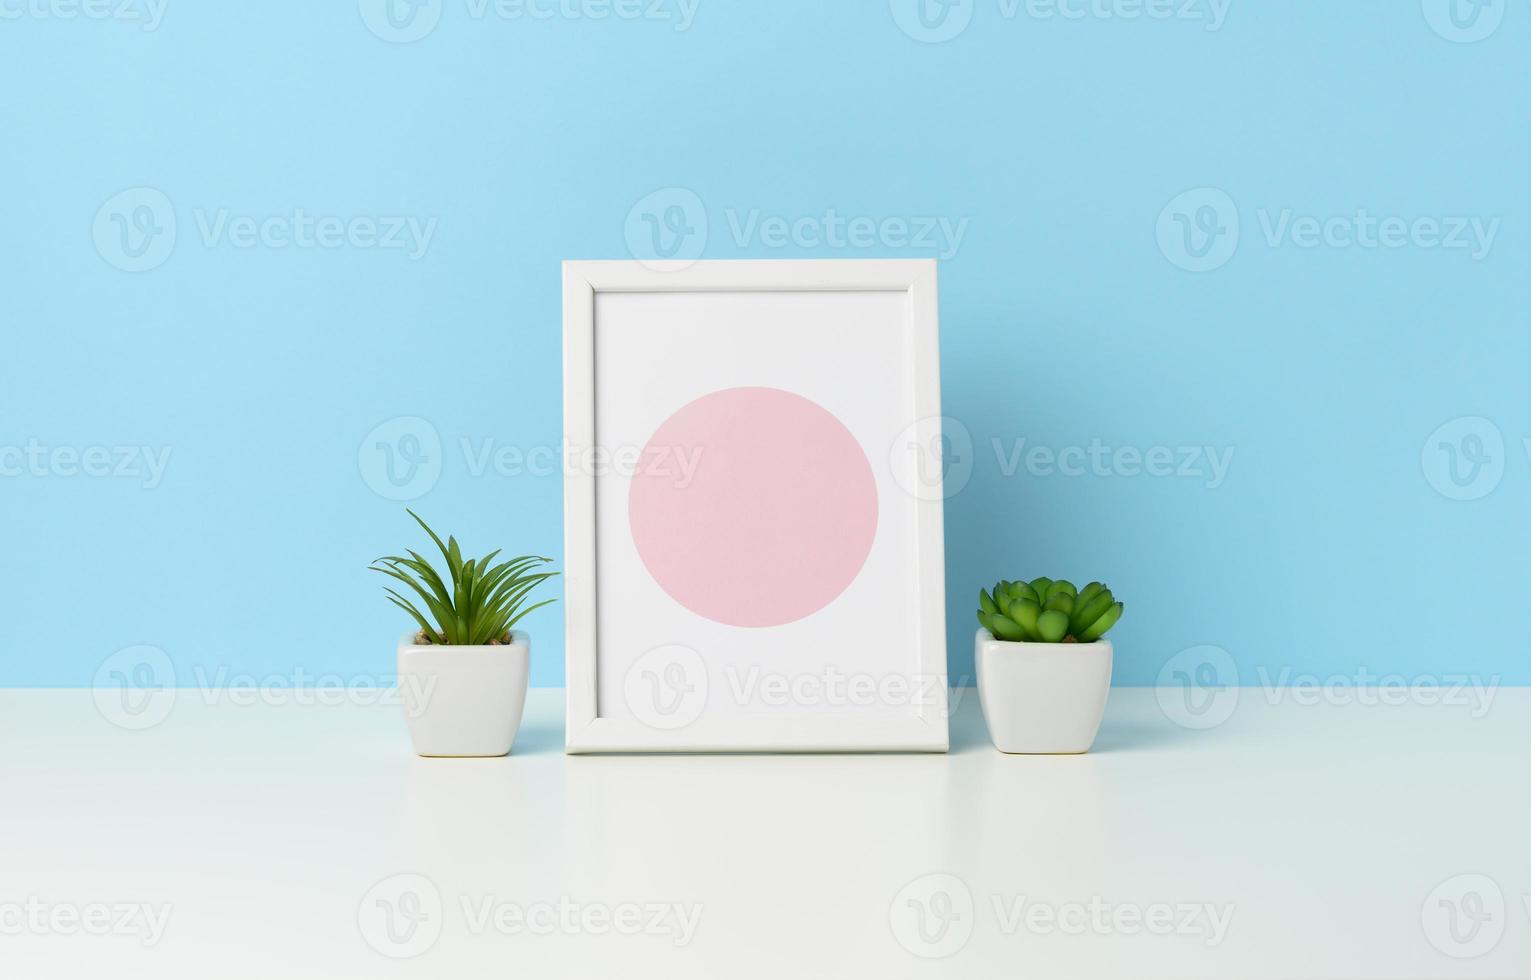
(925, 730)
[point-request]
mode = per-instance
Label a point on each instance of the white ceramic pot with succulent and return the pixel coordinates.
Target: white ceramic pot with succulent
(463, 672)
(1044, 666)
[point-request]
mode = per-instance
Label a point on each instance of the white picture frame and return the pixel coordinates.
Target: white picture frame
(673, 644)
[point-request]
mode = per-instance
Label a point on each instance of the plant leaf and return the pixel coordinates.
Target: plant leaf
(438, 610)
(476, 600)
(408, 607)
(428, 572)
(444, 553)
(522, 614)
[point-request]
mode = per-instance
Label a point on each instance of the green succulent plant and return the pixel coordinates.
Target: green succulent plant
(1048, 611)
(476, 603)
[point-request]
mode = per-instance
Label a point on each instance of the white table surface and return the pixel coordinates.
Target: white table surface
(259, 841)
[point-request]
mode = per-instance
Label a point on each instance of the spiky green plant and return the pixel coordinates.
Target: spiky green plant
(476, 603)
(1048, 611)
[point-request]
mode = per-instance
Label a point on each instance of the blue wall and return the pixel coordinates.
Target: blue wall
(1085, 301)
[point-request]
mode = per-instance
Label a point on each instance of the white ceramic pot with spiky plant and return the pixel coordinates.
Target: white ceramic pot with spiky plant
(1044, 665)
(463, 672)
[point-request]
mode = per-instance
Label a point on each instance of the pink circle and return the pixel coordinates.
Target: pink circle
(753, 507)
